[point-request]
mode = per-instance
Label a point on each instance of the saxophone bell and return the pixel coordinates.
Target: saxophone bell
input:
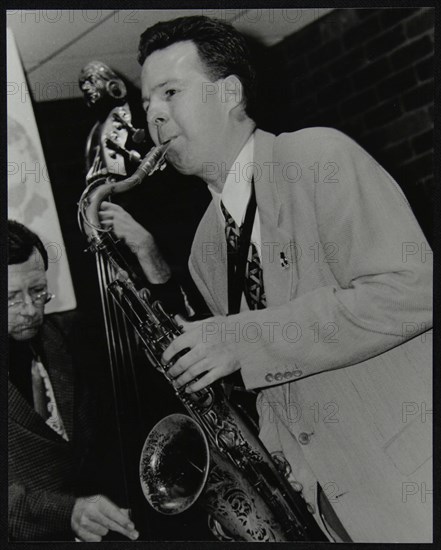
(174, 464)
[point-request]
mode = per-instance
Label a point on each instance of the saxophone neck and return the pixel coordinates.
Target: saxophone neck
(154, 160)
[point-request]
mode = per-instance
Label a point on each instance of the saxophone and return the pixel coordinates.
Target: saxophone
(211, 453)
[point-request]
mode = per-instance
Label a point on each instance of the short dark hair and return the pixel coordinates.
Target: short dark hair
(21, 244)
(222, 49)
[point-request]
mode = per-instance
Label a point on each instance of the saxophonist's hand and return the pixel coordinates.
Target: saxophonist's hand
(114, 217)
(212, 344)
(138, 239)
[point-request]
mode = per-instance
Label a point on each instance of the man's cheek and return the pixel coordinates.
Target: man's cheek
(12, 324)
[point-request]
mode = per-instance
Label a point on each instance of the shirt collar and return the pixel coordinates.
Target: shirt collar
(237, 188)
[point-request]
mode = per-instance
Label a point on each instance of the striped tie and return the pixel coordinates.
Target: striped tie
(253, 285)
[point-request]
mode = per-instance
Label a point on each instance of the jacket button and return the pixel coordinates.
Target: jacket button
(269, 377)
(304, 438)
(278, 376)
(297, 373)
(297, 486)
(287, 374)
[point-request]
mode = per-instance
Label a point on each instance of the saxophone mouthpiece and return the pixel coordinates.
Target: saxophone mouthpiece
(162, 149)
(166, 144)
(154, 159)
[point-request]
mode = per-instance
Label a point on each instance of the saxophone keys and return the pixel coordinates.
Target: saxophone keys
(297, 486)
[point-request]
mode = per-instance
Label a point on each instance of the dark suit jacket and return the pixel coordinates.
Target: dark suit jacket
(44, 469)
(345, 389)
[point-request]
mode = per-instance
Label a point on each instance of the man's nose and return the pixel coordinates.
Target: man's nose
(157, 114)
(28, 306)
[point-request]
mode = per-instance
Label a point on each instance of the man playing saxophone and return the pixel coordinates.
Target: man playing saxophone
(308, 285)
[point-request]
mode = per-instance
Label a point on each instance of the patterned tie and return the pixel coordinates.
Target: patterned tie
(253, 285)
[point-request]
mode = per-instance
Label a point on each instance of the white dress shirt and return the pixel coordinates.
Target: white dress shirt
(53, 420)
(236, 195)
(237, 191)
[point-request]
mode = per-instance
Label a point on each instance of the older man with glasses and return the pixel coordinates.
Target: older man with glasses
(49, 421)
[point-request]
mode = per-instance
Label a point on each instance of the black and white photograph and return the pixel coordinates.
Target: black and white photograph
(219, 229)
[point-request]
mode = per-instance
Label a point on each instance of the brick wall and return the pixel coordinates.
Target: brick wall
(369, 73)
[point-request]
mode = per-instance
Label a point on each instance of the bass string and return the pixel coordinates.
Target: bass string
(116, 364)
(123, 342)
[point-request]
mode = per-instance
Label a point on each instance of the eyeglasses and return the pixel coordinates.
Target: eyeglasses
(38, 299)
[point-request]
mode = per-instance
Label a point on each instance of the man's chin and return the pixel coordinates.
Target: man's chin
(178, 165)
(25, 333)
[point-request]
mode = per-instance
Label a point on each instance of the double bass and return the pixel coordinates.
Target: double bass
(140, 398)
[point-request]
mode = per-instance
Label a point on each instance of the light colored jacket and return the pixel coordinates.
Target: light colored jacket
(343, 352)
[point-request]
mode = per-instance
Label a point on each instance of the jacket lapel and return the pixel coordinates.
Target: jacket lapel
(22, 413)
(208, 261)
(277, 244)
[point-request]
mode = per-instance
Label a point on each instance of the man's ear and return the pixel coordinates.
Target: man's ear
(232, 91)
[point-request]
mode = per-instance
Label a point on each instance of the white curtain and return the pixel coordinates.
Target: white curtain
(30, 198)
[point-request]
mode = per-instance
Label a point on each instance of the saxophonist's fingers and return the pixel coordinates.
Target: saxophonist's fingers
(106, 206)
(186, 361)
(106, 218)
(189, 325)
(107, 224)
(185, 340)
(104, 215)
(192, 372)
(206, 380)
(185, 325)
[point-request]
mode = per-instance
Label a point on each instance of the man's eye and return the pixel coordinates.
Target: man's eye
(171, 92)
(37, 290)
